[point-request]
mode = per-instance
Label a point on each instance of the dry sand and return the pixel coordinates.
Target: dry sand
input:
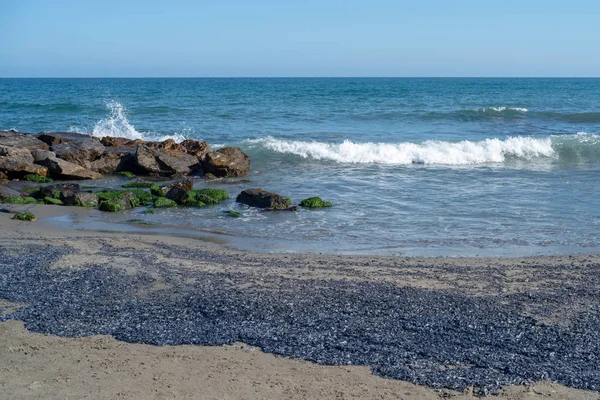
(40, 367)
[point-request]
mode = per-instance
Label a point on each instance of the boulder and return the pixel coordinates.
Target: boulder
(65, 170)
(83, 199)
(186, 184)
(178, 195)
(110, 141)
(80, 152)
(228, 161)
(61, 190)
(196, 148)
(54, 138)
(6, 193)
(39, 154)
(21, 140)
(18, 162)
(114, 159)
(262, 199)
(164, 162)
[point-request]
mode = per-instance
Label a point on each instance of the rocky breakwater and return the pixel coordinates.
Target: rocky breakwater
(73, 156)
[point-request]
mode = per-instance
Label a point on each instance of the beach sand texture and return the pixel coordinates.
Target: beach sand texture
(545, 295)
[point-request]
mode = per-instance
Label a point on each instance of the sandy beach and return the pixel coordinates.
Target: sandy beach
(147, 294)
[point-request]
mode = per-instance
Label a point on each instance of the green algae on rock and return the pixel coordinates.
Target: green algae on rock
(25, 216)
(21, 200)
(163, 202)
(52, 200)
(126, 174)
(141, 184)
(232, 213)
(37, 178)
(111, 206)
(315, 202)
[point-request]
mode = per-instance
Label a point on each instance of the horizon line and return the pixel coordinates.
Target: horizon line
(299, 77)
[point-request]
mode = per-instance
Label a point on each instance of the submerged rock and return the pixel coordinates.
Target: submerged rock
(227, 162)
(263, 199)
(315, 202)
(58, 191)
(163, 202)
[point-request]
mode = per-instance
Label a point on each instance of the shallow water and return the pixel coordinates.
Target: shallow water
(413, 166)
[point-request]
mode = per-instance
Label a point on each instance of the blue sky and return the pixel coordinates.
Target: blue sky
(108, 38)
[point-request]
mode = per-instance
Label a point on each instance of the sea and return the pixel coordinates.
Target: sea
(415, 167)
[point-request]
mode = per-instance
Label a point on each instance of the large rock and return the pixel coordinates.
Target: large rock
(6, 193)
(228, 161)
(80, 152)
(114, 159)
(80, 199)
(62, 169)
(164, 162)
(54, 138)
(39, 154)
(64, 189)
(17, 162)
(178, 195)
(262, 199)
(186, 184)
(21, 140)
(110, 141)
(196, 148)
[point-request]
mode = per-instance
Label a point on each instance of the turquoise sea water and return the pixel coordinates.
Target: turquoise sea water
(413, 166)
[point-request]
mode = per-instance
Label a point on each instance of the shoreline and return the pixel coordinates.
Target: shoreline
(543, 295)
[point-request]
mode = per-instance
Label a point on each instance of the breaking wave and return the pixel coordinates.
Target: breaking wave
(580, 147)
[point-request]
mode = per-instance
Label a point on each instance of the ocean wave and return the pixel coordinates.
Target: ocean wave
(502, 109)
(437, 152)
(116, 124)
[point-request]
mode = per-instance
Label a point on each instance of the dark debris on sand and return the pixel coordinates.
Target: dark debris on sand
(438, 338)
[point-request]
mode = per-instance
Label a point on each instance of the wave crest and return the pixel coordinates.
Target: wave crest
(437, 152)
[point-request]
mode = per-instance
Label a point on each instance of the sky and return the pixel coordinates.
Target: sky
(196, 38)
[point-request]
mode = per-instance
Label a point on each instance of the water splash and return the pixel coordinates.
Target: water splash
(116, 124)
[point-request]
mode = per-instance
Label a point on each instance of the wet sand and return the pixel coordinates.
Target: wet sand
(160, 275)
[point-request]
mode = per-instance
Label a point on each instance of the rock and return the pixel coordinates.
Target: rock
(209, 176)
(7, 193)
(229, 161)
(292, 208)
(186, 184)
(80, 152)
(164, 162)
(168, 146)
(110, 141)
(21, 140)
(40, 155)
(65, 170)
(262, 199)
(25, 216)
(82, 199)
(196, 148)
(58, 191)
(54, 138)
(16, 163)
(116, 205)
(178, 195)
(163, 202)
(314, 202)
(114, 160)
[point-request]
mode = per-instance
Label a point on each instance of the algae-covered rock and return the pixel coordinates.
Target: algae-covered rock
(21, 200)
(148, 211)
(155, 190)
(217, 194)
(232, 213)
(138, 221)
(197, 204)
(144, 197)
(263, 199)
(37, 178)
(163, 202)
(7, 193)
(81, 199)
(111, 206)
(25, 216)
(315, 202)
(126, 174)
(178, 195)
(52, 200)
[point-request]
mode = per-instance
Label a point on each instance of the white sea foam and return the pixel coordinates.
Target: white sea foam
(502, 109)
(429, 152)
(116, 124)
